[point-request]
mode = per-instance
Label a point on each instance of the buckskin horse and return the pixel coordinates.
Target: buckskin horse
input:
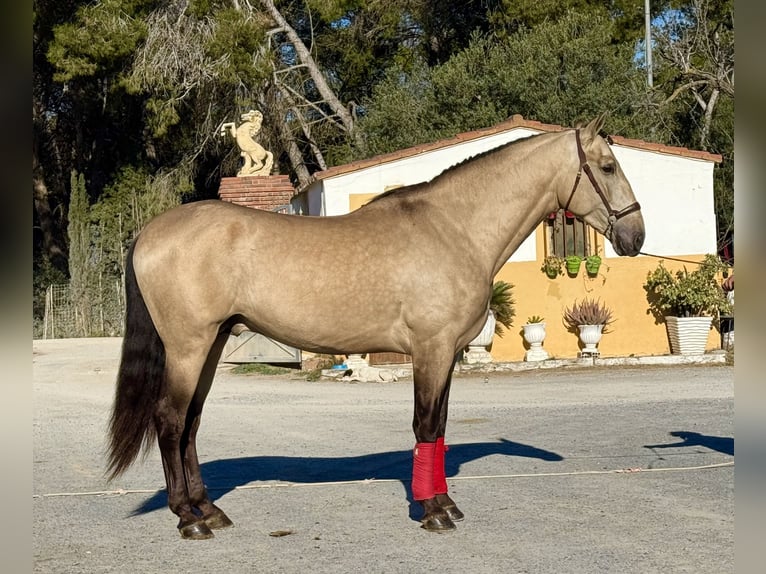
(277, 275)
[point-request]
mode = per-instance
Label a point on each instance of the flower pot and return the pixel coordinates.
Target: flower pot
(688, 335)
(590, 335)
(552, 266)
(573, 264)
(534, 335)
(477, 348)
(592, 264)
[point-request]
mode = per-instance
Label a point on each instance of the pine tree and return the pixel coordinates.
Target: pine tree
(79, 253)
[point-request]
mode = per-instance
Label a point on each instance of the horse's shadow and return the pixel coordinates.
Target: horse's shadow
(223, 476)
(721, 444)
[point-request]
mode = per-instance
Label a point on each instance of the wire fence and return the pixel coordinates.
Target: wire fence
(96, 312)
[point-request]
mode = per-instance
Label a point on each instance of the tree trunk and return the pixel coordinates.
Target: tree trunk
(287, 138)
(306, 128)
(295, 155)
(307, 60)
(53, 246)
(708, 118)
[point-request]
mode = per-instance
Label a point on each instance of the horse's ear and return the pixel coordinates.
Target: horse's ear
(590, 131)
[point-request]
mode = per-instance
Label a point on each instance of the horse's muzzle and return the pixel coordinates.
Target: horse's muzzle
(628, 235)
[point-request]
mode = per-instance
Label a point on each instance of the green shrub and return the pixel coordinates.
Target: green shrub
(687, 293)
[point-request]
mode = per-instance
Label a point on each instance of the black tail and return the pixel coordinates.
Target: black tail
(140, 381)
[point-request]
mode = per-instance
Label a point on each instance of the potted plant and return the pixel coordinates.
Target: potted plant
(687, 301)
(502, 306)
(501, 314)
(588, 319)
(553, 266)
(592, 264)
(534, 334)
(573, 264)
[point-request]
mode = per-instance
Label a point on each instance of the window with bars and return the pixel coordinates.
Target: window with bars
(567, 235)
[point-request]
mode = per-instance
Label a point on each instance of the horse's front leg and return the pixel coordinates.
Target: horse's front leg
(432, 376)
(440, 473)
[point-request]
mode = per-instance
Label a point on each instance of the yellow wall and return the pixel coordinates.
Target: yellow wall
(357, 200)
(619, 284)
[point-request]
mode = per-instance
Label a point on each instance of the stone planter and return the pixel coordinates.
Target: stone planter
(534, 335)
(590, 335)
(477, 349)
(688, 335)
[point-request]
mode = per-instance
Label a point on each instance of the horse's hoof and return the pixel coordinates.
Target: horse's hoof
(448, 505)
(196, 531)
(453, 512)
(437, 522)
(218, 520)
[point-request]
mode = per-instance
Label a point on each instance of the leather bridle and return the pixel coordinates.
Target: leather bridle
(613, 214)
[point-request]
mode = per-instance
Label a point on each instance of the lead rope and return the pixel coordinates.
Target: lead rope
(670, 258)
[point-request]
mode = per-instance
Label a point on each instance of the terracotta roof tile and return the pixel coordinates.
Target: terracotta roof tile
(669, 149)
(515, 121)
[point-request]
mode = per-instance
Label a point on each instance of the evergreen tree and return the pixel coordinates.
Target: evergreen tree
(558, 72)
(80, 271)
(130, 94)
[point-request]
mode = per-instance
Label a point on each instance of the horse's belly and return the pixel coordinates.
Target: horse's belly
(333, 332)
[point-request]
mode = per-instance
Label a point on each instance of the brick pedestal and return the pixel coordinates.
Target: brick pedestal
(270, 192)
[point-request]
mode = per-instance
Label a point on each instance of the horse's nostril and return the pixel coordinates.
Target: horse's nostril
(638, 241)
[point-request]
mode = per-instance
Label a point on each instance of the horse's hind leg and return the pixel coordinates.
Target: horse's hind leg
(183, 367)
(213, 516)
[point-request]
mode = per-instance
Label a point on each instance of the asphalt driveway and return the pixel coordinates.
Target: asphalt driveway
(609, 469)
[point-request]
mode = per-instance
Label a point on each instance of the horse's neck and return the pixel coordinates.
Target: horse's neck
(503, 196)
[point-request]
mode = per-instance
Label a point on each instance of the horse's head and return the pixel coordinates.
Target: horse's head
(604, 198)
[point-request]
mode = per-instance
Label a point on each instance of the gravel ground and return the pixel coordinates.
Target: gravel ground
(613, 469)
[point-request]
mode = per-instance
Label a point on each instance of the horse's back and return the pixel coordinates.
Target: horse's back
(292, 275)
(240, 235)
(210, 260)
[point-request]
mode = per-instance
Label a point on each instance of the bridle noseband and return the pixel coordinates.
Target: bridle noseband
(613, 215)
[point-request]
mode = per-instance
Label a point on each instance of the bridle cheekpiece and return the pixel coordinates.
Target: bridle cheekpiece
(613, 214)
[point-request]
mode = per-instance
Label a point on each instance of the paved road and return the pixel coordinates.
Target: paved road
(562, 471)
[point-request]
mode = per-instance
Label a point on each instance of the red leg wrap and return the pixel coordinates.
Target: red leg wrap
(440, 476)
(423, 471)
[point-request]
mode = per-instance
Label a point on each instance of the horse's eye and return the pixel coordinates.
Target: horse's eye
(608, 168)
